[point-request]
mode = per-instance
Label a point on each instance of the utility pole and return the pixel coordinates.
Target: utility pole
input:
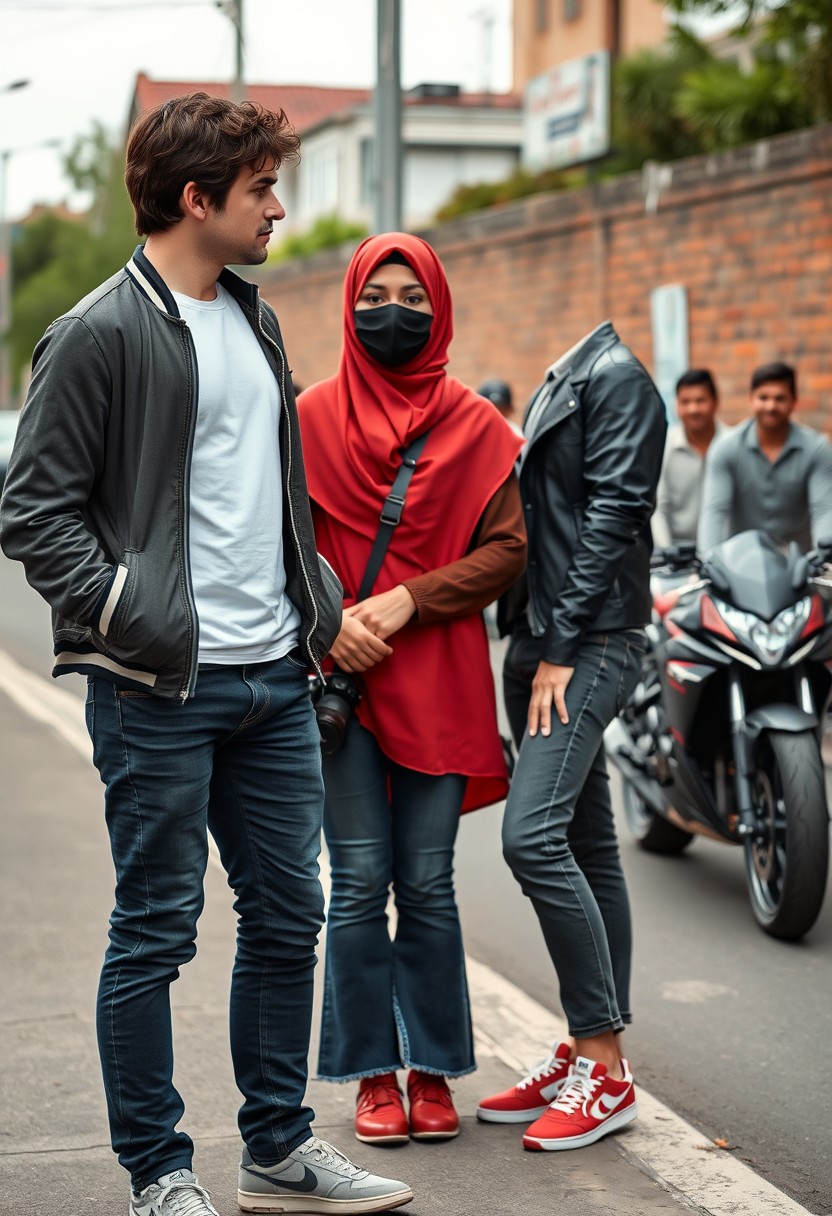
(387, 105)
(5, 287)
(233, 10)
(487, 20)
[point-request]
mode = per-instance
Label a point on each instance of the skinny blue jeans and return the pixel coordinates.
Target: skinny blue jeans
(558, 831)
(241, 758)
(400, 1003)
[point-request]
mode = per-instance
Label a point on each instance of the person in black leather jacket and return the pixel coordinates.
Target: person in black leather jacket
(589, 472)
(157, 499)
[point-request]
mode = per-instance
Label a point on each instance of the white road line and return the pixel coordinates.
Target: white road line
(53, 706)
(512, 1027)
(62, 711)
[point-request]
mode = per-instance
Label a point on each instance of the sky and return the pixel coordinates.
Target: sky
(82, 56)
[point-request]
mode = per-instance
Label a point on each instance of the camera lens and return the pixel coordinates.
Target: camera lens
(333, 714)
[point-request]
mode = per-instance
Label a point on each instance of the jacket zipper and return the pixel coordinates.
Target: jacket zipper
(187, 689)
(288, 474)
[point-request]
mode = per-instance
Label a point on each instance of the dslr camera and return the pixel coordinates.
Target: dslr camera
(335, 700)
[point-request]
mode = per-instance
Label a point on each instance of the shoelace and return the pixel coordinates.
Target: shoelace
(578, 1089)
(185, 1199)
(544, 1069)
(430, 1089)
(381, 1093)
(327, 1154)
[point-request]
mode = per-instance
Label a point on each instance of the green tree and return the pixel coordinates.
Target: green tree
(795, 35)
(645, 121)
(725, 105)
(327, 232)
(56, 261)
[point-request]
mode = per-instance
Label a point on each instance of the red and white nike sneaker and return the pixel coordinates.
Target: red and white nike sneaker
(590, 1105)
(531, 1096)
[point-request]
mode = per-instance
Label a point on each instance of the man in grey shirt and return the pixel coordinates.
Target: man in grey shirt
(769, 473)
(679, 496)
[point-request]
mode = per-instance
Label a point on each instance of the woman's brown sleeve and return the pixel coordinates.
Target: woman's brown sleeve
(496, 559)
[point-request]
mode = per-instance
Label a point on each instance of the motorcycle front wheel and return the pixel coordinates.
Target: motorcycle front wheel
(786, 863)
(654, 834)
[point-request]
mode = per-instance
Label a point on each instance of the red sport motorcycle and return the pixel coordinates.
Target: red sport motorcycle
(722, 736)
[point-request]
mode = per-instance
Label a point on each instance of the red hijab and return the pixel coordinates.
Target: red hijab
(430, 704)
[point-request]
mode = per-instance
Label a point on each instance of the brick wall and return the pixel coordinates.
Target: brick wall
(748, 232)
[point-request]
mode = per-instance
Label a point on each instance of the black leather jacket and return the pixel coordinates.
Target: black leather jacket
(596, 430)
(96, 500)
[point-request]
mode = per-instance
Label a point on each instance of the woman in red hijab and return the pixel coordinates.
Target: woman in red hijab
(422, 744)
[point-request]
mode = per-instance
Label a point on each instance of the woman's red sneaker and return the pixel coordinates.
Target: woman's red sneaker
(379, 1113)
(591, 1105)
(432, 1113)
(531, 1096)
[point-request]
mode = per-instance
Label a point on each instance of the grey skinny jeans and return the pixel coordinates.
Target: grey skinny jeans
(558, 832)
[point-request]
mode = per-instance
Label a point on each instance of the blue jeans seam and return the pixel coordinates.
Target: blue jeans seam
(253, 716)
(404, 1041)
(440, 1072)
(579, 901)
(138, 944)
(262, 1018)
(546, 842)
(589, 1032)
(164, 1167)
(359, 1076)
(568, 750)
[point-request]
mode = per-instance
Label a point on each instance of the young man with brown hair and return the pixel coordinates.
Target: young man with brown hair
(157, 499)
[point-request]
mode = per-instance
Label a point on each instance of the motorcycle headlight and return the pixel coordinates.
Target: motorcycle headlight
(769, 640)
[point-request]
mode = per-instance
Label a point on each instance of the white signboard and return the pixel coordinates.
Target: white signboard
(566, 113)
(671, 349)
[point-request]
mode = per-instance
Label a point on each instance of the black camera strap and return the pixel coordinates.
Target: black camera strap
(391, 514)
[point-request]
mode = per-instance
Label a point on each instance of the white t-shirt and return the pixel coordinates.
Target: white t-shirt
(236, 500)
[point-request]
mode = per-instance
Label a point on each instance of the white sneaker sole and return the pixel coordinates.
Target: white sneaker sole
(394, 1139)
(613, 1123)
(434, 1135)
(487, 1115)
(247, 1201)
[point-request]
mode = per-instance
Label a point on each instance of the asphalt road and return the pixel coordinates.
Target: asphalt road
(732, 1028)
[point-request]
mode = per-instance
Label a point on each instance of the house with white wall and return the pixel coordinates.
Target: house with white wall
(450, 139)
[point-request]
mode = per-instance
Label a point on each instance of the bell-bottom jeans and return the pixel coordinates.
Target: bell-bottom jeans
(241, 758)
(395, 1003)
(558, 832)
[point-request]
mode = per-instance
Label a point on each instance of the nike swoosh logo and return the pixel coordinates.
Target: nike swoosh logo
(605, 1104)
(306, 1184)
(548, 1092)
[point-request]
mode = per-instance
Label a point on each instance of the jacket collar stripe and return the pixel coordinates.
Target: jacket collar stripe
(144, 284)
(72, 659)
(143, 273)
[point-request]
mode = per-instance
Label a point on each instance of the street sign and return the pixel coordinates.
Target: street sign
(566, 113)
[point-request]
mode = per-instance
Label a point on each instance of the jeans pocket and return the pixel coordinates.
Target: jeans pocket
(89, 706)
(296, 660)
(630, 671)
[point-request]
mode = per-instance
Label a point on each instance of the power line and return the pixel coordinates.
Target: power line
(52, 6)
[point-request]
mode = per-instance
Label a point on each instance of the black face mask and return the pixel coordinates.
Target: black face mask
(392, 333)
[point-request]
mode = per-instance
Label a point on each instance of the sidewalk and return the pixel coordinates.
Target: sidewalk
(56, 883)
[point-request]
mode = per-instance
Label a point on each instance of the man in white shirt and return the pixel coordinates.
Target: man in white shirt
(679, 496)
(158, 501)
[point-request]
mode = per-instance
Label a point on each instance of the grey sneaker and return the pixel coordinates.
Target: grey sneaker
(315, 1177)
(176, 1194)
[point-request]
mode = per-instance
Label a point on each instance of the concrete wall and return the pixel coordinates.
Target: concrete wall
(749, 233)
